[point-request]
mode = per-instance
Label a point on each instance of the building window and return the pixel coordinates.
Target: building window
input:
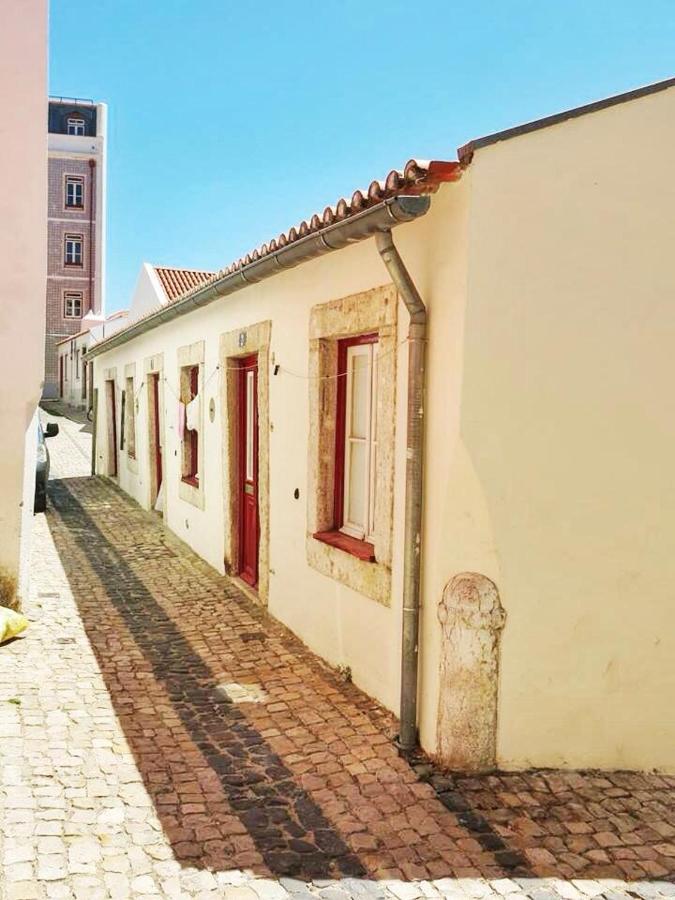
(74, 192)
(356, 437)
(73, 249)
(75, 125)
(123, 417)
(72, 305)
(189, 395)
(131, 419)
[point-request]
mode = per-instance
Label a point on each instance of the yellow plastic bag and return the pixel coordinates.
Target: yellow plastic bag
(11, 623)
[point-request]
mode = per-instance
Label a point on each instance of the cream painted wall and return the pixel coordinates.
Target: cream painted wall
(23, 138)
(568, 423)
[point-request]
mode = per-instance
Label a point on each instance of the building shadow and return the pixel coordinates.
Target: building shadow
(226, 799)
(61, 410)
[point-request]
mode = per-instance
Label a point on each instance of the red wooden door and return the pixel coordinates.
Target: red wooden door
(158, 446)
(112, 429)
(249, 523)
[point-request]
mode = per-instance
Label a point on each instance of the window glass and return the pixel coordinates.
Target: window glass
(73, 254)
(74, 192)
(359, 457)
(75, 125)
(72, 305)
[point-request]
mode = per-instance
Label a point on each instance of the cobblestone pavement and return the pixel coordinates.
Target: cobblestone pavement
(161, 737)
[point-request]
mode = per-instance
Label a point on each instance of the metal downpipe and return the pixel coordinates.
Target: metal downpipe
(413, 486)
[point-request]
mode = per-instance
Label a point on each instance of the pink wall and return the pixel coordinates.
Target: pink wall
(23, 212)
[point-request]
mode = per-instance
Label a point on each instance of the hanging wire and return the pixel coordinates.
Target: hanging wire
(282, 369)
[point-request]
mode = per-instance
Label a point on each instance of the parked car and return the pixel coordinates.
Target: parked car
(42, 465)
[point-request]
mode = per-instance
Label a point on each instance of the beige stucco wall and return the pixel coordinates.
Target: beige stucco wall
(23, 138)
(568, 428)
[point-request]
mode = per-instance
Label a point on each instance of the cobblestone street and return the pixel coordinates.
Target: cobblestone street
(160, 736)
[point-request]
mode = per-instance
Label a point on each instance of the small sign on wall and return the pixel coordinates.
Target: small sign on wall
(242, 338)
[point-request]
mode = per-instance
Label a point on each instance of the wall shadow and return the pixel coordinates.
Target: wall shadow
(227, 800)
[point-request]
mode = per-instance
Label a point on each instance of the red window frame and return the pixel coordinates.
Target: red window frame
(191, 438)
(362, 549)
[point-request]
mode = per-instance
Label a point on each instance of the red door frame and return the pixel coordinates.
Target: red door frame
(158, 446)
(112, 413)
(249, 518)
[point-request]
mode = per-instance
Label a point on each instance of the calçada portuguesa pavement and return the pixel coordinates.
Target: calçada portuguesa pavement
(162, 737)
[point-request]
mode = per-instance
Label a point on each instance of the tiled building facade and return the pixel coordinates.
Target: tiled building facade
(76, 224)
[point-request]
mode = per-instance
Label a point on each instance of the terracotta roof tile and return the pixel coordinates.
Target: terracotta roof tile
(176, 282)
(416, 177)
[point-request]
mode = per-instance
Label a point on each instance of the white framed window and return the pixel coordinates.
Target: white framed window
(72, 305)
(73, 249)
(356, 465)
(74, 191)
(75, 125)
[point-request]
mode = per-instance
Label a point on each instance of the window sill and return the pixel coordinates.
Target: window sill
(191, 480)
(360, 549)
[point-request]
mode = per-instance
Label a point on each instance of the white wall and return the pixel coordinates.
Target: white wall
(23, 249)
(339, 624)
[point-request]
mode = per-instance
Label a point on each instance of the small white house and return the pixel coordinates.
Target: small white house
(75, 386)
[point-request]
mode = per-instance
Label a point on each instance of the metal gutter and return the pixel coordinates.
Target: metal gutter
(375, 220)
(414, 486)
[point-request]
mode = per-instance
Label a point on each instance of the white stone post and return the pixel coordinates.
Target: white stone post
(472, 618)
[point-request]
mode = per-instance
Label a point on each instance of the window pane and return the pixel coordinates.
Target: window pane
(355, 501)
(249, 426)
(358, 388)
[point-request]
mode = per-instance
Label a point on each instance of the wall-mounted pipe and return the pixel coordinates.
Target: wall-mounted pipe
(412, 556)
(383, 217)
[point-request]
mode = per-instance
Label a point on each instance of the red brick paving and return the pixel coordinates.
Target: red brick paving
(307, 781)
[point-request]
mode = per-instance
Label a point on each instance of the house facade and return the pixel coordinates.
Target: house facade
(428, 429)
(76, 223)
(75, 386)
(23, 264)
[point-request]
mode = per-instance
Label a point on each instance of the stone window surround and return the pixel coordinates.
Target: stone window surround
(188, 356)
(154, 365)
(256, 339)
(371, 311)
(132, 461)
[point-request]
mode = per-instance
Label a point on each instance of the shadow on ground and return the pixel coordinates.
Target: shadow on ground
(296, 785)
(61, 410)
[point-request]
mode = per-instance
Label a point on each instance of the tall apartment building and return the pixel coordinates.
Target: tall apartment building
(76, 223)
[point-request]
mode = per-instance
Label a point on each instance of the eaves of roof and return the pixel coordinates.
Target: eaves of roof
(417, 179)
(465, 153)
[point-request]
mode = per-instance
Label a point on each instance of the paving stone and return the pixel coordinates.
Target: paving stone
(140, 777)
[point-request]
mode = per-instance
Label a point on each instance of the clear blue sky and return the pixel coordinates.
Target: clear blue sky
(229, 122)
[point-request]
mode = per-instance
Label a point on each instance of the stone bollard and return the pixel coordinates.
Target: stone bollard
(472, 618)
